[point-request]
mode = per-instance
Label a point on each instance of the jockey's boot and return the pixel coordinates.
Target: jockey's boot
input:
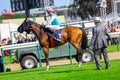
(49, 30)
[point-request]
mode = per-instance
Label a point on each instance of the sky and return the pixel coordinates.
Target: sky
(5, 4)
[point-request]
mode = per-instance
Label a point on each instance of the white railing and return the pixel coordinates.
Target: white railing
(113, 35)
(17, 46)
(76, 22)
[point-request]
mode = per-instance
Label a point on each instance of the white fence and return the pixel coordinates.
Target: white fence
(17, 46)
(113, 35)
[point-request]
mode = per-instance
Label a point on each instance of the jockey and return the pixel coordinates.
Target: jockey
(53, 23)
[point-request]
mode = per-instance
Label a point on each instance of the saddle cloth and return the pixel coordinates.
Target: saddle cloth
(57, 35)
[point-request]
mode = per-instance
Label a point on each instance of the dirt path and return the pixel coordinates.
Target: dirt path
(112, 56)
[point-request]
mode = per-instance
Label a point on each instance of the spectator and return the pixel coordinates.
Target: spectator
(28, 39)
(3, 44)
(9, 41)
(114, 39)
(1, 64)
(20, 39)
(33, 38)
(118, 28)
(113, 28)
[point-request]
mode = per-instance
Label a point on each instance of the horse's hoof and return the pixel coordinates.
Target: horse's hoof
(47, 68)
(79, 64)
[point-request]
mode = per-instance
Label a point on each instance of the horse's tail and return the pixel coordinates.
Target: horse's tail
(84, 39)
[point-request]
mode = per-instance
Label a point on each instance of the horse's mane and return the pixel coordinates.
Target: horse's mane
(32, 22)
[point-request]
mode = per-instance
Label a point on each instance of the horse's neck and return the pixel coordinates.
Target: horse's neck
(42, 38)
(37, 33)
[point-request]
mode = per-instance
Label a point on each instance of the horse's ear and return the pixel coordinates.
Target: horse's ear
(40, 26)
(27, 19)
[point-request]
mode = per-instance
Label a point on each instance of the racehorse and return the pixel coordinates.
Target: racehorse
(74, 35)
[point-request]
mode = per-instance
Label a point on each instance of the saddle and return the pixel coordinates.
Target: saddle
(49, 31)
(53, 35)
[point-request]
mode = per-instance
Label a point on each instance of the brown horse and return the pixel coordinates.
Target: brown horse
(75, 35)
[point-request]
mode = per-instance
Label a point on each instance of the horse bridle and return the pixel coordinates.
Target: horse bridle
(40, 33)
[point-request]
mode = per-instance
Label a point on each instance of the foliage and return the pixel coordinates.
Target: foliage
(18, 15)
(88, 8)
(7, 59)
(69, 72)
(63, 6)
(15, 16)
(40, 9)
(1, 17)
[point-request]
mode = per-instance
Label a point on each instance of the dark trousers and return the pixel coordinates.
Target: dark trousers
(97, 53)
(1, 65)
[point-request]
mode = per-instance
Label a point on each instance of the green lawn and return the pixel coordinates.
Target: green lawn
(113, 48)
(67, 72)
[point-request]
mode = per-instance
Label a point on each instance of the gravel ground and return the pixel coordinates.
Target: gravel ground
(15, 66)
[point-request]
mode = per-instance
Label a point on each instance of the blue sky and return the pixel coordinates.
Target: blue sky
(5, 4)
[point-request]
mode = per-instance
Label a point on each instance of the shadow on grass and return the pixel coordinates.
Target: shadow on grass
(43, 71)
(65, 71)
(23, 71)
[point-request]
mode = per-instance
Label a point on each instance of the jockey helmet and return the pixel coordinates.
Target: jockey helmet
(49, 9)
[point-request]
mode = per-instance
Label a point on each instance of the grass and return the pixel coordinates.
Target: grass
(67, 72)
(113, 48)
(7, 59)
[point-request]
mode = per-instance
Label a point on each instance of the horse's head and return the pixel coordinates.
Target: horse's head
(28, 25)
(25, 25)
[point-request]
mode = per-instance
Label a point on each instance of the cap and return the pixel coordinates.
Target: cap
(97, 19)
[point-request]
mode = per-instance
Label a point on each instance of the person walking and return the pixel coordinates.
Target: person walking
(99, 43)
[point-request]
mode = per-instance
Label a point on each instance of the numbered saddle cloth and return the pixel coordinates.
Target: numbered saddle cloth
(57, 35)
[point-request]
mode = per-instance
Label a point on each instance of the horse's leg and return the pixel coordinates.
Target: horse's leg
(46, 53)
(79, 58)
(79, 54)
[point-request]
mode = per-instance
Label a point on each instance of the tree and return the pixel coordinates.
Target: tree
(16, 16)
(1, 17)
(88, 8)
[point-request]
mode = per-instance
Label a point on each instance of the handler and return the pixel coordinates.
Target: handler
(99, 43)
